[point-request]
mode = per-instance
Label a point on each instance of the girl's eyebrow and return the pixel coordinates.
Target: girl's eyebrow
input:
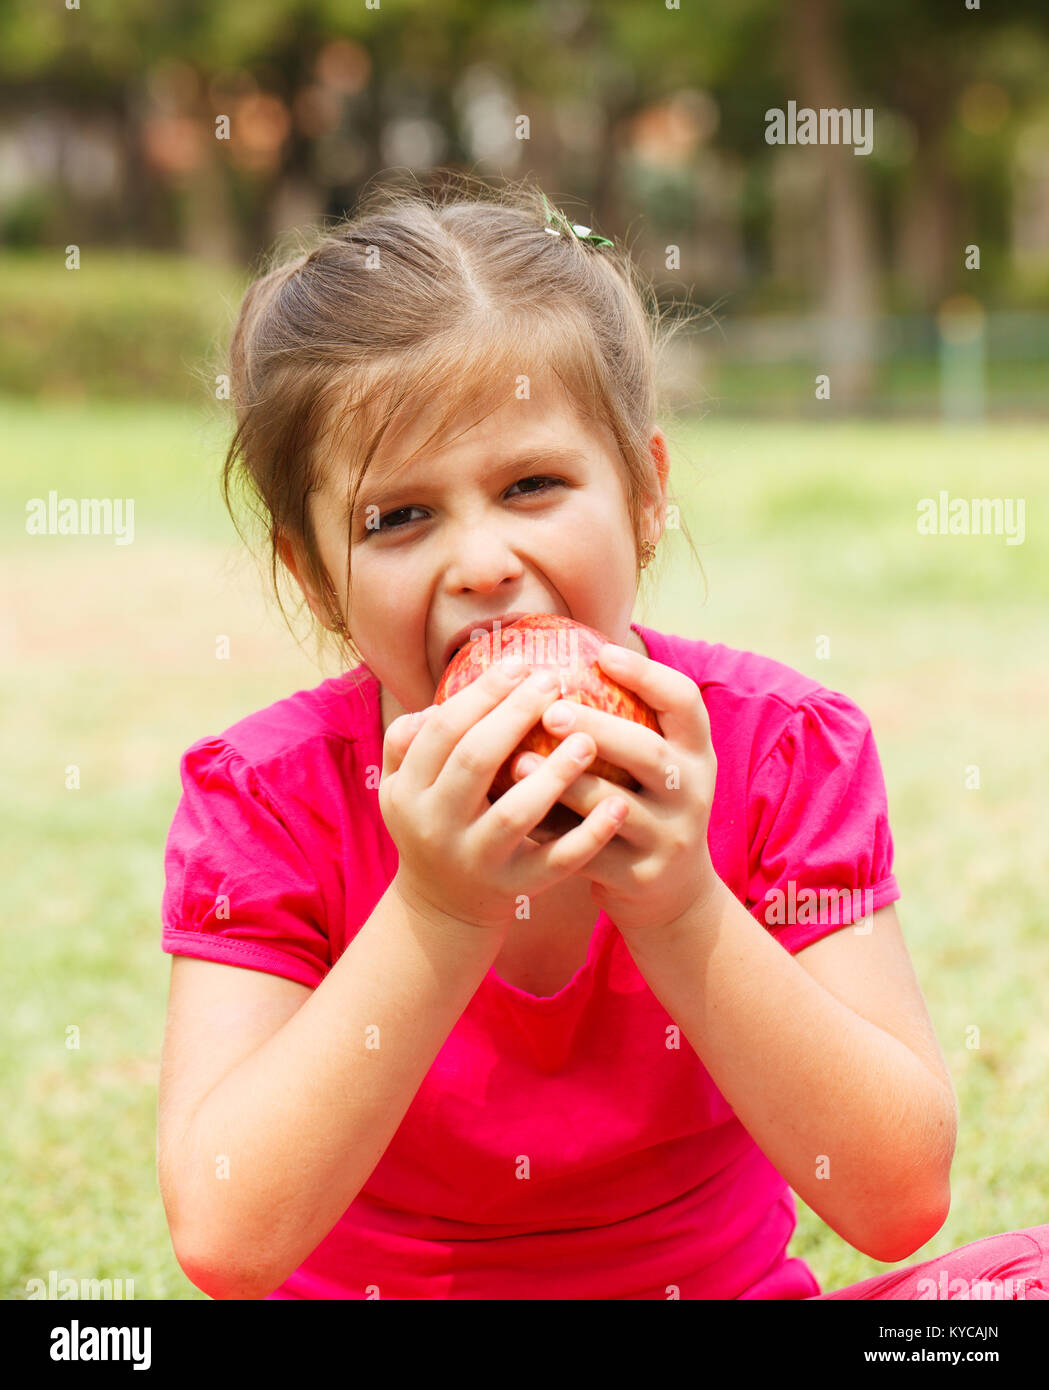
(550, 456)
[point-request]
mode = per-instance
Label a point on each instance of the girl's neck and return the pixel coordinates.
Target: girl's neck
(391, 710)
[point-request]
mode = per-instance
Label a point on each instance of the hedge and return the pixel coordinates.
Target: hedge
(123, 325)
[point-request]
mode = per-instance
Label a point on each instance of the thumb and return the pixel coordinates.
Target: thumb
(399, 736)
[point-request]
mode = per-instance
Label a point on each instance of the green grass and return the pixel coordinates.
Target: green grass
(805, 531)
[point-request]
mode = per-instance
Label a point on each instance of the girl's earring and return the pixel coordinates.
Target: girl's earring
(338, 625)
(648, 551)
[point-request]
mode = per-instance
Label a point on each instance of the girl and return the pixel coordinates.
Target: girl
(415, 1051)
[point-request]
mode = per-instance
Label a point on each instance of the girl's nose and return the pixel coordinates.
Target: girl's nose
(482, 561)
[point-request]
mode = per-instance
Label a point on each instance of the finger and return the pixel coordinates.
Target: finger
(674, 696)
(638, 750)
(446, 725)
(471, 766)
(577, 849)
(398, 739)
(582, 795)
(519, 810)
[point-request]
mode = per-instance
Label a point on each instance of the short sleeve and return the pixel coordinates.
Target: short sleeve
(820, 849)
(238, 888)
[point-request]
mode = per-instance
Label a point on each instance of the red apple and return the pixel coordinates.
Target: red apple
(548, 641)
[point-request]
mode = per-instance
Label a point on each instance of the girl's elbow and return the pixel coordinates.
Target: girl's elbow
(919, 1205)
(898, 1240)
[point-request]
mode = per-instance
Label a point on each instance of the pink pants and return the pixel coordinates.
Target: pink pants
(1013, 1265)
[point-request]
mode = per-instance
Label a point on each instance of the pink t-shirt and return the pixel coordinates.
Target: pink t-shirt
(641, 1183)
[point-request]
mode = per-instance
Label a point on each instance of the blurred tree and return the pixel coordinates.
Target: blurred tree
(631, 105)
(849, 300)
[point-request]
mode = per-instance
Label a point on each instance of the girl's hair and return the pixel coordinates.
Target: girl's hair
(446, 299)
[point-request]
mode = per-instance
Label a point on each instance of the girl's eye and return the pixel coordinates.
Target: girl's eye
(385, 521)
(550, 482)
(382, 526)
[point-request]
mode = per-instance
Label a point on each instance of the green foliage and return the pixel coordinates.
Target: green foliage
(123, 325)
(137, 324)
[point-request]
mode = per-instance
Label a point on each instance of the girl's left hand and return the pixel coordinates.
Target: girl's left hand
(657, 866)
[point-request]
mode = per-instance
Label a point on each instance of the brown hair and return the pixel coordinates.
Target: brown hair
(420, 300)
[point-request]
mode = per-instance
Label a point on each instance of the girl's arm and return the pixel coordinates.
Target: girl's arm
(828, 1058)
(302, 1121)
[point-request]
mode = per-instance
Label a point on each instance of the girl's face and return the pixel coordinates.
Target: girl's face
(491, 524)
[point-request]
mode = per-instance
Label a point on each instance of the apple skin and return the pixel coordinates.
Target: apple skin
(549, 641)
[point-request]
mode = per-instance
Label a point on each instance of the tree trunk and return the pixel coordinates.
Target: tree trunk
(849, 299)
(926, 219)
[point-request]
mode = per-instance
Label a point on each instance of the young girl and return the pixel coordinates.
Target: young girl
(415, 1051)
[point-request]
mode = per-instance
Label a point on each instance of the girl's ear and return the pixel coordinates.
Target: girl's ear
(661, 457)
(286, 551)
(657, 505)
(287, 554)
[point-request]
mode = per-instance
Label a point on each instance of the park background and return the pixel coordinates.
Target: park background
(648, 124)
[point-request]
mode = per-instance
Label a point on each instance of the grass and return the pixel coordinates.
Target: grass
(805, 531)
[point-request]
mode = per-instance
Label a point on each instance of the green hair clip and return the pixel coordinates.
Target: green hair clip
(556, 222)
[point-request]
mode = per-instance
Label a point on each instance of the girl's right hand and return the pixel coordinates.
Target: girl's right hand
(461, 856)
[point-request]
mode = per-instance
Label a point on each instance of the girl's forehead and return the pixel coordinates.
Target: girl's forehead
(445, 432)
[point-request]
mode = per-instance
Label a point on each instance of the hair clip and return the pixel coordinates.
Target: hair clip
(560, 222)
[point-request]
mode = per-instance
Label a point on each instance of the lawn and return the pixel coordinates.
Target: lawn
(809, 543)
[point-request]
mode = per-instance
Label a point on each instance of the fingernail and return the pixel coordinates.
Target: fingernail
(578, 747)
(513, 669)
(560, 716)
(528, 763)
(545, 680)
